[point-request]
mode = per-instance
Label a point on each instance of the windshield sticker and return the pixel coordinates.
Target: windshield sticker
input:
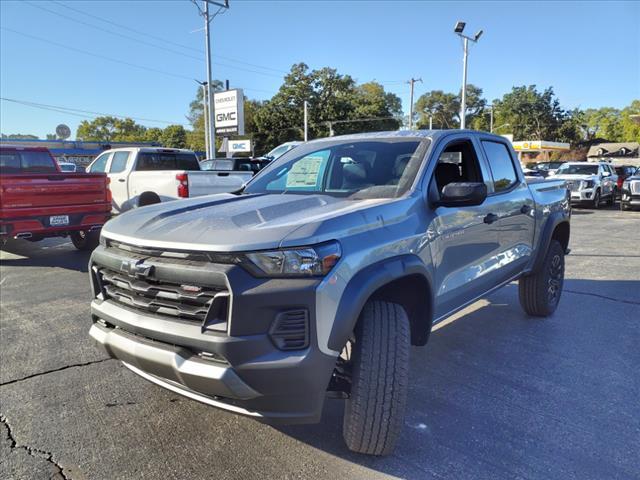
(304, 172)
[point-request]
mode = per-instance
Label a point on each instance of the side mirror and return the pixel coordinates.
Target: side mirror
(462, 194)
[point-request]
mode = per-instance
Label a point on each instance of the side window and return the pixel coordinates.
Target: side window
(100, 163)
(119, 162)
(501, 164)
(458, 162)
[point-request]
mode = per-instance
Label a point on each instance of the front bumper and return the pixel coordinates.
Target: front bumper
(582, 196)
(629, 199)
(239, 369)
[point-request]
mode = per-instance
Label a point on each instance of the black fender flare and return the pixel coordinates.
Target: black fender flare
(364, 283)
(552, 222)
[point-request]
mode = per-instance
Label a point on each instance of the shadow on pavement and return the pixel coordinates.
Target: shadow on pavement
(495, 393)
(45, 253)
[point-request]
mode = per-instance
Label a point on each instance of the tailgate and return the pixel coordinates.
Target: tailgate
(49, 190)
(209, 182)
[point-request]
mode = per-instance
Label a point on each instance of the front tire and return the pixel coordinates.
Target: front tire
(611, 201)
(540, 293)
(596, 199)
(85, 241)
(374, 413)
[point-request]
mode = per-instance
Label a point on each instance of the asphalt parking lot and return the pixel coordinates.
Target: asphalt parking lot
(495, 394)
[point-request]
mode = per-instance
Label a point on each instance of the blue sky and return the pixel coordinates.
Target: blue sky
(588, 51)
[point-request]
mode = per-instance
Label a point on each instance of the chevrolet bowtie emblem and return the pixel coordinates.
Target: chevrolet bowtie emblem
(136, 268)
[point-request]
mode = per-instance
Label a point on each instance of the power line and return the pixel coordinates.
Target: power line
(138, 32)
(97, 55)
(154, 45)
(82, 113)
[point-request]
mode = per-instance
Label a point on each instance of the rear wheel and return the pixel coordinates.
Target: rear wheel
(540, 293)
(148, 198)
(374, 412)
(85, 241)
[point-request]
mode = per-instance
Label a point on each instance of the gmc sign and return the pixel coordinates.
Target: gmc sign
(229, 112)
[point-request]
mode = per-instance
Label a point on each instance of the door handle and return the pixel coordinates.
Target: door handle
(490, 218)
(525, 209)
(121, 180)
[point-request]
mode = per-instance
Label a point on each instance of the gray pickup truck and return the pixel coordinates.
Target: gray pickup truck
(315, 279)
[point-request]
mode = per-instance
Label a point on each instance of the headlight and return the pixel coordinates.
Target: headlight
(626, 185)
(588, 184)
(314, 261)
(102, 240)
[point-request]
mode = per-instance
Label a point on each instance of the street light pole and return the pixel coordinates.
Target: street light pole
(306, 121)
(412, 82)
(463, 103)
(491, 120)
(210, 124)
(459, 28)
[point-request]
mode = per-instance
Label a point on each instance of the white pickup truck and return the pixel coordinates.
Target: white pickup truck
(148, 175)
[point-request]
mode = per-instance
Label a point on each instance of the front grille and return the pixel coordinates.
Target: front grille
(574, 186)
(187, 302)
(635, 187)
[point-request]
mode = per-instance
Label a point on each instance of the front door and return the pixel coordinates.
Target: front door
(464, 241)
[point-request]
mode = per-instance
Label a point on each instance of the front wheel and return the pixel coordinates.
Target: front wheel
(374, 412)
(85, 241)
(596, 199)
(612, 200)
(540, 293)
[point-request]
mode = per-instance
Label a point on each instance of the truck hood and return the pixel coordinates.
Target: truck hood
(227, 222)
(575, 177)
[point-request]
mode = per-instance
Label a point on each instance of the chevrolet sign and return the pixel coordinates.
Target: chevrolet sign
(229, 112)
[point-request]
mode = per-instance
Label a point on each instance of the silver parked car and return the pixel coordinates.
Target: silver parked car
(589, 183)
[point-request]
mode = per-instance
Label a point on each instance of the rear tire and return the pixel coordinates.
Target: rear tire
(85, 241)
(540, 293)
(374, 413)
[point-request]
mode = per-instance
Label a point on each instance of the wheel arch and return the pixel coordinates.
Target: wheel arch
(404, 280)
(148, 198)
(557, 227)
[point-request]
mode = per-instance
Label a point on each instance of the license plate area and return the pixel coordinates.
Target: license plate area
(58, 220)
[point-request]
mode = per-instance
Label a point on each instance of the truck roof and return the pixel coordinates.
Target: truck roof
(152, 149)
(433, 134)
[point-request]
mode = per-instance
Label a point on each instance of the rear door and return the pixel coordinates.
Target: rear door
(514, 206)
(119, 173)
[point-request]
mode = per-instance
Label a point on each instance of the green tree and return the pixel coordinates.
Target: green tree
(371, 101)
(174, 136)
(631, 122)
(603, 123)
(153, 134)
(111, 129)
(530, 114)
(444, 108)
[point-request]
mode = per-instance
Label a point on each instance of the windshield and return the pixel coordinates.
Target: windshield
(384, 168)
(573, 169)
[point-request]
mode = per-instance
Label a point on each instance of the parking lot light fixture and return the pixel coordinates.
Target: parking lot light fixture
(458, 29)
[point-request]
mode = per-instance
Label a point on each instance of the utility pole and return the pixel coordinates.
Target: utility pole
(306, 121)
(211, 152)
(430, 122)
(412, 82)
(459, 28)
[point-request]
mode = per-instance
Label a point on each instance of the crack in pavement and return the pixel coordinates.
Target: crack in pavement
(35, 452)
(46, 372)
(630, 302)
